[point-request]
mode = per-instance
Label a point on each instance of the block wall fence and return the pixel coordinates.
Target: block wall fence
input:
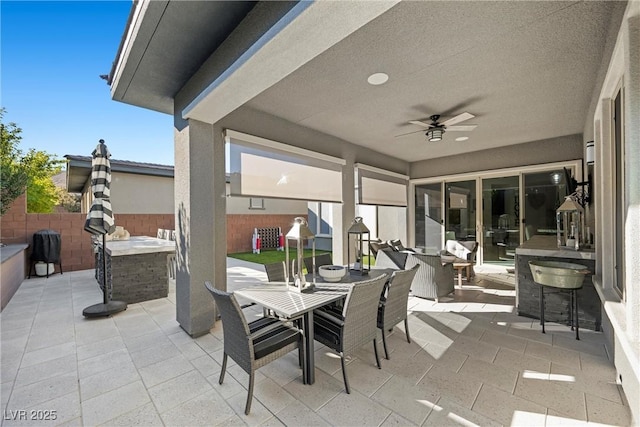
(17, 226)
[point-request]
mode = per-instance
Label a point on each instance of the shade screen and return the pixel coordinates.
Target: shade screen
(260, 172)
(379, 189)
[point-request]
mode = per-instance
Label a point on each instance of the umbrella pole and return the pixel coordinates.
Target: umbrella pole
(107, 307)
(104, 270)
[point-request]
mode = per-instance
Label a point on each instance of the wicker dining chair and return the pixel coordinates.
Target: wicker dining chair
(393, 303)
(346, 331)
(253, 345)
(276, 271)
(322, 259)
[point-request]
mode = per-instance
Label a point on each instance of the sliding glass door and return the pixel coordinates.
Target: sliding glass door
(500, 219)
(544, 192)
(460, 207)
(429, 216)
(499, 209)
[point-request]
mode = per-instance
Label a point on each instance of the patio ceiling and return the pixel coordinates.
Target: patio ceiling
(526, 70)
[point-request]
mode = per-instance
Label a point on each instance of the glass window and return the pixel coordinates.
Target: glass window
(544, 192)
(428, 216)
(256, 203)
(460, 205)
(618, 128)
(320, 218)
(501, 218)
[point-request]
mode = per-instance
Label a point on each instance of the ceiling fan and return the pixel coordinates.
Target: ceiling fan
(435, 129)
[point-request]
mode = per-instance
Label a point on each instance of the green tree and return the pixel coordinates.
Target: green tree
(13, 174)
(69, 201)
(33, 171)
(42, 194)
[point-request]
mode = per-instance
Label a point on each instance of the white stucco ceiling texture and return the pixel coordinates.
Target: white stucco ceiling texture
(525, 69)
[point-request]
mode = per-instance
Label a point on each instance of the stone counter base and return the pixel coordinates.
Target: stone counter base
(137, 278)
(556, 303)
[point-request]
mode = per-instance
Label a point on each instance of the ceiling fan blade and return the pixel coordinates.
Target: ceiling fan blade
(461, 128)
(409, 133)
(419, 123)
(457, 119)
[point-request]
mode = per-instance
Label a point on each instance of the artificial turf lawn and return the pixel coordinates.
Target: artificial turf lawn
(270, 256)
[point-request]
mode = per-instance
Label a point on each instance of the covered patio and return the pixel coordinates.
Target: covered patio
(539, 81)
(472, 361)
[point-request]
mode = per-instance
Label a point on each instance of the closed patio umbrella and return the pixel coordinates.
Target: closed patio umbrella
(100, 222)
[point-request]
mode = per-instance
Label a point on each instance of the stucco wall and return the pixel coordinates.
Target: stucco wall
(531, 153)
(134, 193)
(240, 206)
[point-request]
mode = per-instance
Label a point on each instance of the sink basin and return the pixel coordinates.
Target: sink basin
(563, 275)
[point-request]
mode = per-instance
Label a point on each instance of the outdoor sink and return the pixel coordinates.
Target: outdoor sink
(563, 275)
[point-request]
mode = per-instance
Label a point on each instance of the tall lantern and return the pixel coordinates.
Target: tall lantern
(570, 224)
(300, 233)
(362, 235)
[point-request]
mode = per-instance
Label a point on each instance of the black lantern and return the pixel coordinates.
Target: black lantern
(300, 233)
(361, 235)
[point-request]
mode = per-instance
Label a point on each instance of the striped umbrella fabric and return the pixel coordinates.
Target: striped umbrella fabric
(100, 218)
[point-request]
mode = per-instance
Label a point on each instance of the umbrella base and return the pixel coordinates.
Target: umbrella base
(103, 310)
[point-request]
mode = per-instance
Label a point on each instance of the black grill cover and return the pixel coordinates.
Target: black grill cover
(46, 246)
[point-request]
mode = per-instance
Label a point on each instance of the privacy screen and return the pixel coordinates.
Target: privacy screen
(260, 171)
(381, 189)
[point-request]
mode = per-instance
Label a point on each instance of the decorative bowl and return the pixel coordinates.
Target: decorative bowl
(332, 273)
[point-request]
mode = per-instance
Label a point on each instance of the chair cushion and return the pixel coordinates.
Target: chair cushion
(399, 259)
(274, 340)
(325, 331)
(461, 249)
(396, 245)
(376, 246)
(261, 323)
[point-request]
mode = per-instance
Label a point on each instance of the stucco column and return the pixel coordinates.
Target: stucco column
(632, 176)
(200, 223)
(343, 215)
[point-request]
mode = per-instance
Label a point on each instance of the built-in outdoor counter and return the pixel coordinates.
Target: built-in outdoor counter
(11, 271)
(137, 268)
(557, 304)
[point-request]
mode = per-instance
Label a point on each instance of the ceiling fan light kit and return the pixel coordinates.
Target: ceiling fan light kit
(436, 130)
(435, 134)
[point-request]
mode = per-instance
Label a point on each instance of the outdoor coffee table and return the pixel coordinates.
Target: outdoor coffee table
(459, 266)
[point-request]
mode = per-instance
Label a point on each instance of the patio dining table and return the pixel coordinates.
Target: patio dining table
(291, 304)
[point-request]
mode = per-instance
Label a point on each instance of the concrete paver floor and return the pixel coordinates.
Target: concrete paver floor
(471, 361)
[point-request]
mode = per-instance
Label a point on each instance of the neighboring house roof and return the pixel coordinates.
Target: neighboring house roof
(79, 170)
(60, 179)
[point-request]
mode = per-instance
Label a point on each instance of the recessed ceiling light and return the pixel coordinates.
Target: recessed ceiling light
(378, 79)
(462, 138)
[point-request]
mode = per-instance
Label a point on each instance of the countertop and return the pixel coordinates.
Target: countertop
(12, 250)
(140, 245)
(540, 245)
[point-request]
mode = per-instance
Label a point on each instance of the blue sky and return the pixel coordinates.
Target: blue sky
(52, 56)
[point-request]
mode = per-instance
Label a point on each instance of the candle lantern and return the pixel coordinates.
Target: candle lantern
(361, 235)
(299, 235)
(570, 224)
